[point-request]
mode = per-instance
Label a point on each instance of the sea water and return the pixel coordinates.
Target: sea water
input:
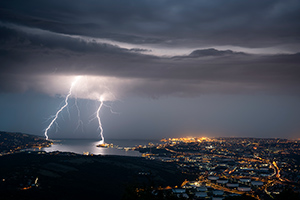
(81, 146)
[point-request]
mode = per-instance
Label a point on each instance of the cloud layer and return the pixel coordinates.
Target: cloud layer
(151, 48)
(232, 23)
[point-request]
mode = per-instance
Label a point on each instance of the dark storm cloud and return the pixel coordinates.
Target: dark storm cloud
(210, 52)
(242, 23)
(40, 38)
(28, 52)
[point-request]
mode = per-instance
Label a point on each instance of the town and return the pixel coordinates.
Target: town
(256, 167)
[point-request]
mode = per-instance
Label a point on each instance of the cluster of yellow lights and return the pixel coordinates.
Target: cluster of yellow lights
(187, 139)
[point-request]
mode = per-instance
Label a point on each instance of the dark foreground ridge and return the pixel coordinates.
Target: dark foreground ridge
(40, 175)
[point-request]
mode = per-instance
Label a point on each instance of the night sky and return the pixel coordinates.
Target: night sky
(166, 68)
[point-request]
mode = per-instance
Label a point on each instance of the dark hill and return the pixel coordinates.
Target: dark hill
(72, 176)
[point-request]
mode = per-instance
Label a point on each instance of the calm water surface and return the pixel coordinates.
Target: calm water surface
(81, 146)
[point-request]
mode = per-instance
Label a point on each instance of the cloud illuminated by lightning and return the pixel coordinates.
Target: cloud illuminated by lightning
(61, 109)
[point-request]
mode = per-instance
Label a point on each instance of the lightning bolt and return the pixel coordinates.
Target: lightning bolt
(61, 109)
(111, 109)
(80, 122)
(99, 120)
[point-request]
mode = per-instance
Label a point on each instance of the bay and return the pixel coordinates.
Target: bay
(81, 146)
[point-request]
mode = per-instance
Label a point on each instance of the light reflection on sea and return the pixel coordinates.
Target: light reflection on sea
(81, 146)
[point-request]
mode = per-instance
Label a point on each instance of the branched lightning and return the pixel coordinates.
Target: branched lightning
(80, 122)
(61, 109)
(56, 127)
(111, 110)
(99, 120)
(97, 116)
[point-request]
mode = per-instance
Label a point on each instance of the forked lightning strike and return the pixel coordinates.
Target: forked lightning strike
(61, 109)
(99, 120)
(80, 122)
